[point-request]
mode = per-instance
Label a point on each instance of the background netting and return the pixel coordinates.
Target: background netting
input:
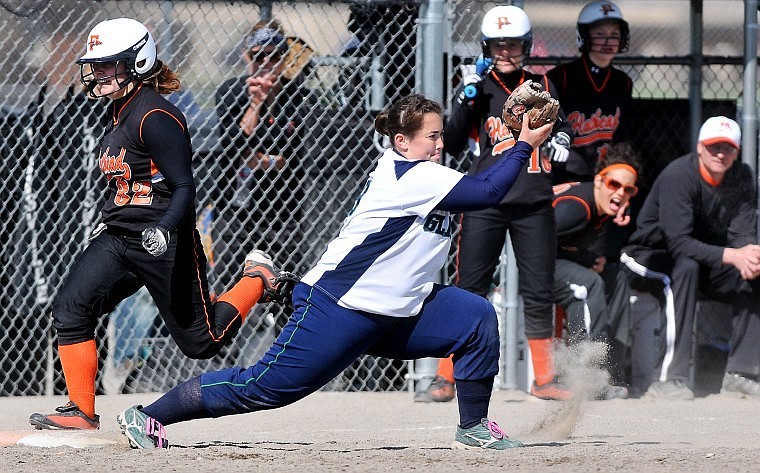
(363, 57)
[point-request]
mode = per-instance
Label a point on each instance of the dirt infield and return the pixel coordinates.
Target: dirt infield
(367, 432)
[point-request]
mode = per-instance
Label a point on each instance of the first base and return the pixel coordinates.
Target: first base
(52, 439)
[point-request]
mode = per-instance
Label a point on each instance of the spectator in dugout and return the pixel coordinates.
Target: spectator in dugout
(696, 237)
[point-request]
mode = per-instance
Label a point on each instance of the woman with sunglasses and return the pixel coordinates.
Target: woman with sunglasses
(260, 123)
(595, 307)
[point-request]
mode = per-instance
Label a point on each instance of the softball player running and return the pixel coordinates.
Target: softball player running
(149, 236)
(373, 292)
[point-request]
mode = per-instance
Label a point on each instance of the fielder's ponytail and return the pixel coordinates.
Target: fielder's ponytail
(406, 115)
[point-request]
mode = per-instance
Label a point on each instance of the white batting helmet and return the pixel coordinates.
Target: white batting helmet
(507, 21)
(117, 40)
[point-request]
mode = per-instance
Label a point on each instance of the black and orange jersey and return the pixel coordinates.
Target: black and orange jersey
(483, 124)
(579, 224)
(597, 103)
(146, 159)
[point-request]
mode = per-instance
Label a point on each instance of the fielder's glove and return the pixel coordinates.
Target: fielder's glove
(557, 147)
(155, 240)
(531, 100)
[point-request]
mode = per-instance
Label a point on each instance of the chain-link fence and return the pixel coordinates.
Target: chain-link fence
(349, 60)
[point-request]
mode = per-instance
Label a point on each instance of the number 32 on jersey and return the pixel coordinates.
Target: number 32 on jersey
(114, 167)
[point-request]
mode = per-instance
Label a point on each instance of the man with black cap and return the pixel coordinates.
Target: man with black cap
(696, 235)
(261, 128)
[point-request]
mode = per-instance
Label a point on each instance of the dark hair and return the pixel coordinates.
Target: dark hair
(406, 115)
(618, 153)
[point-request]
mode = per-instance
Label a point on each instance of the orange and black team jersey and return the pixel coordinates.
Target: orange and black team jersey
(579, 224)
(483, 123)
(597, 103)
(146, 159)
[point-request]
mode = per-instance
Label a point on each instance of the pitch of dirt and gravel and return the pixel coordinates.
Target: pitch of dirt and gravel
(372, 432)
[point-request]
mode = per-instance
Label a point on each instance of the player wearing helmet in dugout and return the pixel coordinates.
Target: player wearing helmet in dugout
(526, 210)
(595, 95)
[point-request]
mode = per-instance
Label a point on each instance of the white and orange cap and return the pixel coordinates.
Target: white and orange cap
(720, 130)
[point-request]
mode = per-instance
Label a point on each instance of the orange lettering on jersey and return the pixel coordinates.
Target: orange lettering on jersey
(562, 188)
(593, 138)
(546, 163)
(502, 139)
(114, 166)
(499, 134)
(537, 160)
(594, 128)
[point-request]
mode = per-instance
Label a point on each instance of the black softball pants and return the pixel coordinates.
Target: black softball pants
(689, 280)
(114, 266)
(533, 233)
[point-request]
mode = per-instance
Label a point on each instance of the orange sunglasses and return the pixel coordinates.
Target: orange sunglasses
(614, 185)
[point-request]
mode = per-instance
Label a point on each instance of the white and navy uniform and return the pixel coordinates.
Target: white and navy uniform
(373, 291)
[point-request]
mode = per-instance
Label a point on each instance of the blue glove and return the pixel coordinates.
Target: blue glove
(482, 65)
(471, 87)
(471, 82)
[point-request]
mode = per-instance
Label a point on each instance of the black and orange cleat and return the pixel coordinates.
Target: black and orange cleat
(440, 390)
(67, 417)
(551, 391)
(278, 285)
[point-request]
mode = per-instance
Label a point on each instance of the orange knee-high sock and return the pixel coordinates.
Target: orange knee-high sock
(244, 295)
(541, 353)
(80, 366)
(446, 368)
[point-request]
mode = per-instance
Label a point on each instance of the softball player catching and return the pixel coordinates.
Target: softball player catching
(373, 292)
(149, 236)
